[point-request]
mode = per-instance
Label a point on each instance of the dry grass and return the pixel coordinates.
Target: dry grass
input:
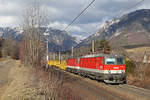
(30, 84)
(140, 78)
(137, 50)
(37, 84)
(133, 80)
(20, 88)
(3, 59)
(50, 83)
(53, 85)
(141, 74)
(67, 93)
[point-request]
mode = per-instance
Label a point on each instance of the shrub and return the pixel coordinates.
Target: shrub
(147, 72)
(130, 66)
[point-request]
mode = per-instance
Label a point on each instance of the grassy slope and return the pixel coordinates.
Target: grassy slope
(21, 86)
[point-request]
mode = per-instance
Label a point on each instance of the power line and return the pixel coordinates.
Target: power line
(133, 6)
(79, 14)
(121, 12)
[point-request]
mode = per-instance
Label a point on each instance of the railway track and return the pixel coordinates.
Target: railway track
(140, 93)
(102, 91)
(99, 92)
(89, 90)
(137, 88)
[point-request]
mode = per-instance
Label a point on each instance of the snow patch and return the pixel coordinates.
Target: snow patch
(109, 23)
(116, 34)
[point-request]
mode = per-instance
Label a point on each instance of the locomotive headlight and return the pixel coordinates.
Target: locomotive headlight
(109, 71)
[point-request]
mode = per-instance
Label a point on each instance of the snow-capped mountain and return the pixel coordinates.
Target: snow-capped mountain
(58, 40)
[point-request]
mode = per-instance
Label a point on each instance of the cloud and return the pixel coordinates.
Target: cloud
(7, 20)
(62, 26)
(79, 37)
(61, 13)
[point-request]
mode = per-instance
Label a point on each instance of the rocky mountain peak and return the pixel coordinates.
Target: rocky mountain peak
(130, 29)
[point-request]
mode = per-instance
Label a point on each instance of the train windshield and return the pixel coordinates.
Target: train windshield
(120, 61)
(110, 61)
(114, 61)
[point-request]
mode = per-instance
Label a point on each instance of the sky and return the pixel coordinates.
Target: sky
(62, 12)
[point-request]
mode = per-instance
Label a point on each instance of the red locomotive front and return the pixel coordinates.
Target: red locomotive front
(109, 68)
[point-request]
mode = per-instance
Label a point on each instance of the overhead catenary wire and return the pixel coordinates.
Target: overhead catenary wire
(131, 7)
(126, 9)
(135, 4)
(123, 11)
(79, 14)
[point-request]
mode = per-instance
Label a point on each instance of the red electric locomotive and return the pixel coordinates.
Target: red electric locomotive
(107, 67)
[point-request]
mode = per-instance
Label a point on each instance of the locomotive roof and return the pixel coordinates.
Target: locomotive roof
(102, 55)
(99, 55)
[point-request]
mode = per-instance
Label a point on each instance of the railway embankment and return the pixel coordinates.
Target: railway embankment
(111, 92)
(143, 83)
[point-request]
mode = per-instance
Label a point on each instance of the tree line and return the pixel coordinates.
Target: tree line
(100, 46)
(9, 48)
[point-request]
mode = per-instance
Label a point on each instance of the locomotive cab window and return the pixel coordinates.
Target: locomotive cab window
(120, 61)
(110, 61)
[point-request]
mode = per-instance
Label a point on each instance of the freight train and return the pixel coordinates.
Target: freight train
(109, 68)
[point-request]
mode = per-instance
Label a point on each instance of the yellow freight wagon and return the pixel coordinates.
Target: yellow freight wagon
(59, 64)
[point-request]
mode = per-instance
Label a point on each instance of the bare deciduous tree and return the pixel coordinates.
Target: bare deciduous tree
(32, 45)
(10, 47)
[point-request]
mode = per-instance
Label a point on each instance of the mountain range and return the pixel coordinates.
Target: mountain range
(58, 40)
(130, 29)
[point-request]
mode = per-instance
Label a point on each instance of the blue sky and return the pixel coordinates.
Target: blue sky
(61, 13)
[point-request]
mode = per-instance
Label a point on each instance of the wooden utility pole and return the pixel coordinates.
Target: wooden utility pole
(93, 46)
(54, 56)
(72, 52)
(59, 56)
(47, 50)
